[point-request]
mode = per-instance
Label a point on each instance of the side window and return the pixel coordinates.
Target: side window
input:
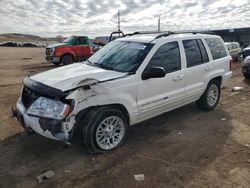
(168, 57)
(203, 51)
(216, 47)
(195, 52)
(83, 41)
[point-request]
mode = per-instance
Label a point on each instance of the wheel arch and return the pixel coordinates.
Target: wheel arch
(68, 53)
(217, 78)
(81, 115)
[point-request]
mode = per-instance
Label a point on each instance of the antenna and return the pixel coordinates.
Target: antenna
(118, 22)
(159, 24)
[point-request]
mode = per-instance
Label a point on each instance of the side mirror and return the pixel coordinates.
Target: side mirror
(154, 72)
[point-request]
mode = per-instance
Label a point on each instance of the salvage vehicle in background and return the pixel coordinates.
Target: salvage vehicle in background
(246, 52)
(246, 68)
(127, 81)
(73, 49)
(234, 50)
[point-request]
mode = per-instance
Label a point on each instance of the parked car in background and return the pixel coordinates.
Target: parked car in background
(96, 47)
(246, 52)
(73, 49)
(129, 80)
(234, 50)
(246, 68)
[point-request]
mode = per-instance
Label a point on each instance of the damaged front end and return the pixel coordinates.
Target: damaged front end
(44, 110)
(52, 112)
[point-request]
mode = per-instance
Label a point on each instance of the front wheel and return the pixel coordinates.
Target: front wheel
(104, 129)
(210, 97)
(66, 60)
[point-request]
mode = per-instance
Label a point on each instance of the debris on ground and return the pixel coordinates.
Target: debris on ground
(247, 145)
(139, 177)
(243, 98)
(237, 88)
(234, 93)
(67, 171)
(223, 119)
(45, 175)
(180, 133)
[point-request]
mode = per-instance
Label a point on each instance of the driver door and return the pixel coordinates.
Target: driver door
(158, 95)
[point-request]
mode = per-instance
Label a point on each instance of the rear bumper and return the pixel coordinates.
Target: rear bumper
(53, 59)
(49, 128)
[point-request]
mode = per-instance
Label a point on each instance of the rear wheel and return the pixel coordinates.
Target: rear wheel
(210, 97)
(104, 129)
(66, 60)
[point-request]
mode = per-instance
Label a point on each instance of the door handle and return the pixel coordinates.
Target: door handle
(208, 68)
(180, 77)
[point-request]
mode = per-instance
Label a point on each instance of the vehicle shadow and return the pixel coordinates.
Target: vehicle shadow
(169, 149)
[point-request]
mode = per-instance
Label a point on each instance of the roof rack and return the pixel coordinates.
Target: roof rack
(183, 32)
(167, 33)
(143, 33)
(115, 32)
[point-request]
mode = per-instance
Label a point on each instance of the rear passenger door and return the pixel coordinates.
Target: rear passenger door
(198, 66)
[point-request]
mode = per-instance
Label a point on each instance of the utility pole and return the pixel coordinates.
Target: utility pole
(119, 22)
(159, 24)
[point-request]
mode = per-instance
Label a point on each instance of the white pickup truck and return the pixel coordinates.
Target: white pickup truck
(129, 80)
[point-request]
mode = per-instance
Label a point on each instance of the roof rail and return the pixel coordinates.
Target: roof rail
(183, 32)
(143, 33)
(115, 32)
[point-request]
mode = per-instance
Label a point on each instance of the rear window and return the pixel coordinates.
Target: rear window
(216, 47)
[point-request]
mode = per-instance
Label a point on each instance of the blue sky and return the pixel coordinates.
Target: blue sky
(99, 17)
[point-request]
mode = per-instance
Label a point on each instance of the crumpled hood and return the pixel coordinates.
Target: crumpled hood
(75, 75)
(56, 45)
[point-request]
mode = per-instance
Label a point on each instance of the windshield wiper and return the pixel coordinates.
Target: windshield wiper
(89, 61)
(103, 66)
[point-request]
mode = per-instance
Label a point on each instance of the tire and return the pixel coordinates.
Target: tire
(66, 60)
(97, 132)
(247, 76)
(56, 63)
(210, 97)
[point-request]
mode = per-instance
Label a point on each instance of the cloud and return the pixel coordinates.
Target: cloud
(99, 17)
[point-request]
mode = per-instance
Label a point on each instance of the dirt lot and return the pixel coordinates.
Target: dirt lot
(182, 148)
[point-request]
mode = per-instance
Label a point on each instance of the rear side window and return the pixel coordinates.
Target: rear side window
(203, 51)
(83, 41)
(195, 52)
(168, 57)
(216, 47)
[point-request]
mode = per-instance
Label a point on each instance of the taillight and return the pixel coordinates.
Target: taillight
(231, 64)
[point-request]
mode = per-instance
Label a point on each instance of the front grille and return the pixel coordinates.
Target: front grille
(29, 96)
(48, 51)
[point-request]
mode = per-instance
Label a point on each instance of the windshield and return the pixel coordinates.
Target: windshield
(70, 40)
(122, 56)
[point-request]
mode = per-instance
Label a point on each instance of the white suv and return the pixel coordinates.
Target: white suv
(129, 80)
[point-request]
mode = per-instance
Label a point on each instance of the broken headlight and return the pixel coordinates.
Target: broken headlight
(49, 108)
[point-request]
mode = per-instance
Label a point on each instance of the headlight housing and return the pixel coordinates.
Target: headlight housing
(49, 108)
